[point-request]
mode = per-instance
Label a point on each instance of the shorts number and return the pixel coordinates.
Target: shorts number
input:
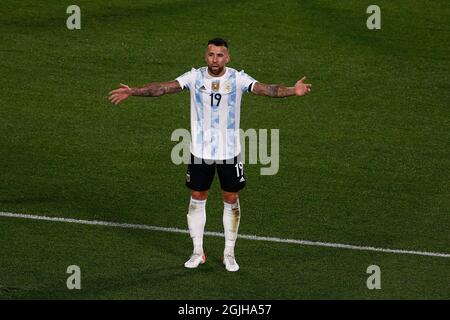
(239, 166)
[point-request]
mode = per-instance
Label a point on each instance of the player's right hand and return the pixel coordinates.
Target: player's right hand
(118, 95)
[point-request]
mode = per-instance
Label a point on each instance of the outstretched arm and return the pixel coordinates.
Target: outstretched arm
(149, 90)
(278, 91)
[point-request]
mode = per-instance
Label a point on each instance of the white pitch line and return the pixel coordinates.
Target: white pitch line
(218, 234)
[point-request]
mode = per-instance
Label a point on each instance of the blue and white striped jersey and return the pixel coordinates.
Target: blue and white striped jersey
(215, 111)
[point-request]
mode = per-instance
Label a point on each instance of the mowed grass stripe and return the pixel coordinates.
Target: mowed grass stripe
(218, 234)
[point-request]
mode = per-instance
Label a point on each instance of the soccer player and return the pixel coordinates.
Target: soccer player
(216, 92)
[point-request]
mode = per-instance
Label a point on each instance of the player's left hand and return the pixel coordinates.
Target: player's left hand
(302, 88)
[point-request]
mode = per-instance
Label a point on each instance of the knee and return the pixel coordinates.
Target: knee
(199, 195)
(230, 197)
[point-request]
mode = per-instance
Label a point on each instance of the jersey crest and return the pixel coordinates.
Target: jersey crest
(215, 85)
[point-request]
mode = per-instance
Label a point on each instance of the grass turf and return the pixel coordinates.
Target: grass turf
(364, 159)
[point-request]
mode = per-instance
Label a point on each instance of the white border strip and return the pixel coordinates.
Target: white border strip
(218, 234)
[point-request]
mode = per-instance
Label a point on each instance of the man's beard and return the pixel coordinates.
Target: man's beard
(218, 71)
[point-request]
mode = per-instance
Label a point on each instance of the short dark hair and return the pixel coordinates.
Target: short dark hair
(218, 42)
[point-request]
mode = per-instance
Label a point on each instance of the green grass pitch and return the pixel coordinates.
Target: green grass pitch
(364, 159)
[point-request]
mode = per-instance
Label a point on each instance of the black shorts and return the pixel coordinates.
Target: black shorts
(200, 174)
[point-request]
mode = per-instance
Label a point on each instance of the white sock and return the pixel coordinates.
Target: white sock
(196, 219)
(231, 218)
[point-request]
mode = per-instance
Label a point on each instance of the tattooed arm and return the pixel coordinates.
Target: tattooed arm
(156, 89)
(278, 91)
(149, 90)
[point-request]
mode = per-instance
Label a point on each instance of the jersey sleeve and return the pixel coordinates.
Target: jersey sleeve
(186, 80)
(245, 82)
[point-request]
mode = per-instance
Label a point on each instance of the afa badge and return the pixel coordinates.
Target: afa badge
(215, 85)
